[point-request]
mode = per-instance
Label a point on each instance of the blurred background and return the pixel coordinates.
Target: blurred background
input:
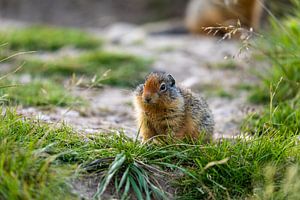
(91, 13)
(83, 58)
(100, 13)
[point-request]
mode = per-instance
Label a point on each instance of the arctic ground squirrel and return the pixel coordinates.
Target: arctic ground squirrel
(163, 109)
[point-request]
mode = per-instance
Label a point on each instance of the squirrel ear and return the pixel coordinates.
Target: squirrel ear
(171, 79)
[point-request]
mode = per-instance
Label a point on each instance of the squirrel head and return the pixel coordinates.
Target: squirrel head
(158, 88)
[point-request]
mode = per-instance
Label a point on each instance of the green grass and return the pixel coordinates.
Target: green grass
(282, 49)
(37, 93)
(273, 187)
(129, 168)
(284, 117)
(37, 38)
(226, 65)
(4, 54)
(27, 170)
(281, 8)
(122, 69)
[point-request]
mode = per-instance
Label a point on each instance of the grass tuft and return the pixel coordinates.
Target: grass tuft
(37, 93)
(120, 69)
(282, 48)
(36, 38)
(129, 169)
(27, 170)
(286, 186)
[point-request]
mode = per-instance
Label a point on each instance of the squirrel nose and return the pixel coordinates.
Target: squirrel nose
(147, 99)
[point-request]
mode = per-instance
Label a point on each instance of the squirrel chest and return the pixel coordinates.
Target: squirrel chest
(164, 120)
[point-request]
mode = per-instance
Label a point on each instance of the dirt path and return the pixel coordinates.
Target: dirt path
(195, 62)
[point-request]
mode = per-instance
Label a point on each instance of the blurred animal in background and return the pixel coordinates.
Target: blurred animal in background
(216, 13)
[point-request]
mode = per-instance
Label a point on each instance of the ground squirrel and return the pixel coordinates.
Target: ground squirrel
(211, 13)
(164, 108)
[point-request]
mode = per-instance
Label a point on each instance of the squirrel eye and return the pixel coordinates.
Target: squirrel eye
(163, 87)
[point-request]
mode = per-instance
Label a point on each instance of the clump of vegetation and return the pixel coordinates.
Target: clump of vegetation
(36, 38)
(37, 93)
(282, 47)
(129, 168)
(27, 170)
(120, 68)
(286, 188)
(284, 117)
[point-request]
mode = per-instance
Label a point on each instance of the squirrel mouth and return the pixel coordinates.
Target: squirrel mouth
(150, 99)
(148, 102)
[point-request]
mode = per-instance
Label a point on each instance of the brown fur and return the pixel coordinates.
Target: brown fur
(176, 112)
(212, 13)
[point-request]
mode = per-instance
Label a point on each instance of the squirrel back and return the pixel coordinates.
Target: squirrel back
(164, 108)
